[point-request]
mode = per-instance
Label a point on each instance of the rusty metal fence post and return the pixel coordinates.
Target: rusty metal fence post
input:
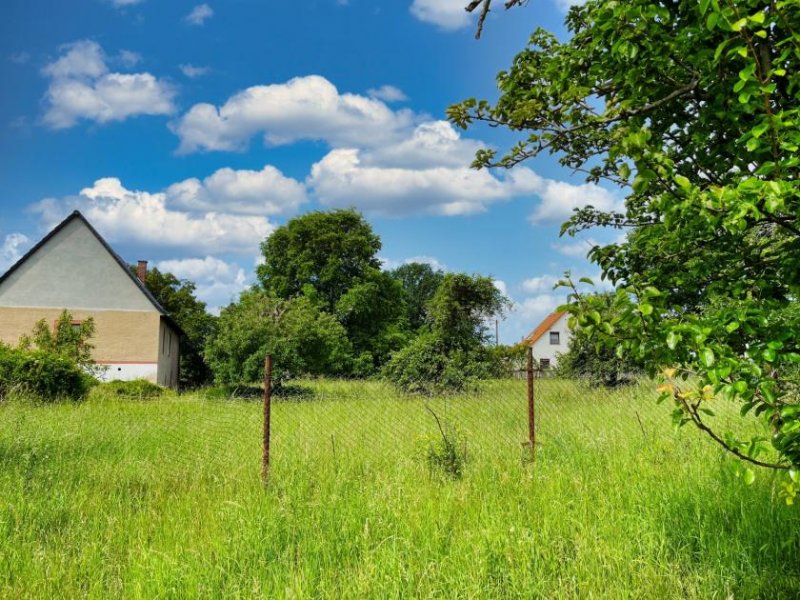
(267, 416)
(531, 405)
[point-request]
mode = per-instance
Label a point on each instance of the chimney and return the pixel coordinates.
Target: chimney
(141, 270)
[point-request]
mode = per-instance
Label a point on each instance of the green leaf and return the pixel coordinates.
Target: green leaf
(673, 339)
(769, 355)
(711, 20)
(707, 358)
(645, 308)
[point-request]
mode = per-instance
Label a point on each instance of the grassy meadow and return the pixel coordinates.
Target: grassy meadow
(163, 499)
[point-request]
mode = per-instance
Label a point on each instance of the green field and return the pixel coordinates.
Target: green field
(162, 498)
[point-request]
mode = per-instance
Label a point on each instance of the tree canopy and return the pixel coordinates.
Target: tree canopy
(419, 282)
(179, 300)
(692, 109)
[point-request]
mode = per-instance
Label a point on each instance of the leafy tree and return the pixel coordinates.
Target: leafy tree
(301, 339)
(461, 307)
(178, 298)
(692, 107)
(331, 258)
(67, 338)
(420, 282)
(588, 357)
(321, 254)
(450, 351)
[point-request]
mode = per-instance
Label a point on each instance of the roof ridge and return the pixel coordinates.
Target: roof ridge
(76, 214)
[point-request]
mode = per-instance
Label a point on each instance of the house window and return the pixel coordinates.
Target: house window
(544, 364)
(555, 338)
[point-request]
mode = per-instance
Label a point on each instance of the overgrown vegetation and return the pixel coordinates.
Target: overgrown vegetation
(136, 389)
(693, 108)
(41, 375)
(323, 306)
(128, 499)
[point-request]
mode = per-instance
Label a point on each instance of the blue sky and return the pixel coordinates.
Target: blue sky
(186, 132)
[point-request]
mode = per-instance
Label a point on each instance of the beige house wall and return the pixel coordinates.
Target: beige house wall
(120, 336)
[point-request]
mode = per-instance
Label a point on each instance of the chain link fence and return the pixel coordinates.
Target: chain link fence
(321, 425)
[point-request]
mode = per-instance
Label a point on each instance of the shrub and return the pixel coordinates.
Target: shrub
(424, 367)
(137, 389)
(42, 375)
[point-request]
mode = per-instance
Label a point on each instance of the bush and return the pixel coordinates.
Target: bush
(42, 375)
(423, 367)
(137, 389)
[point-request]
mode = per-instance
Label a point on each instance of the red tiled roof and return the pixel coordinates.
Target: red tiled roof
(543, 327)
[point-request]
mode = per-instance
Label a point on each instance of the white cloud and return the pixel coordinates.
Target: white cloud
(304, 108)
(124, 3)
(542, 283)
(447, 14)
(434, 263)
(146, 218)
(341, 179)
(559, 199)
(387, 93)
(129, 58)
(264, 192)
(81, 87)
(218, 282)
(199, 14)
(12, 250)
(192, 71)
(575, 248)
(501, 286)
(430, 144)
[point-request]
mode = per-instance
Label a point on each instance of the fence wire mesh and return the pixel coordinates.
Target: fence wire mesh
(322, 426)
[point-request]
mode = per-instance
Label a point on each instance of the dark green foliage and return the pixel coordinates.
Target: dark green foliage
(425, 367)
(323, 254)
(178, 299)
(41, 375)
(460, 308)
(301, 338)
(450, 353)
(420, 282)
(137, 389)
(331, 258)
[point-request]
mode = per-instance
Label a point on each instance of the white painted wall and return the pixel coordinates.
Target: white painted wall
(542, 348)
(129, 372)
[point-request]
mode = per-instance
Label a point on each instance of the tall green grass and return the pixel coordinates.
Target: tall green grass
(162, 499)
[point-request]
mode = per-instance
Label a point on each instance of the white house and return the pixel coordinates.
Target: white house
(550, 338)
(73, 268)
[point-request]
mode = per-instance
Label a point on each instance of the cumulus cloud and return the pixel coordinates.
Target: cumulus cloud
(447, 14)
(191, 71)
(387, 93)
(342, 179)
(264, 192)
(12, 249)
(435, 264)
(199, 15)
(140, 217)
(304, 108)
(559, 199)
(218, 282)
(129, 58)
(81, 87)
(575, 248)
(542, 283)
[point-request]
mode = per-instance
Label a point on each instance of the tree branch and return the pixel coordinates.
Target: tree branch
(485, 6)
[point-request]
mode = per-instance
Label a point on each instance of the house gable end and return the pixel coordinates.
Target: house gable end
(73, 267)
